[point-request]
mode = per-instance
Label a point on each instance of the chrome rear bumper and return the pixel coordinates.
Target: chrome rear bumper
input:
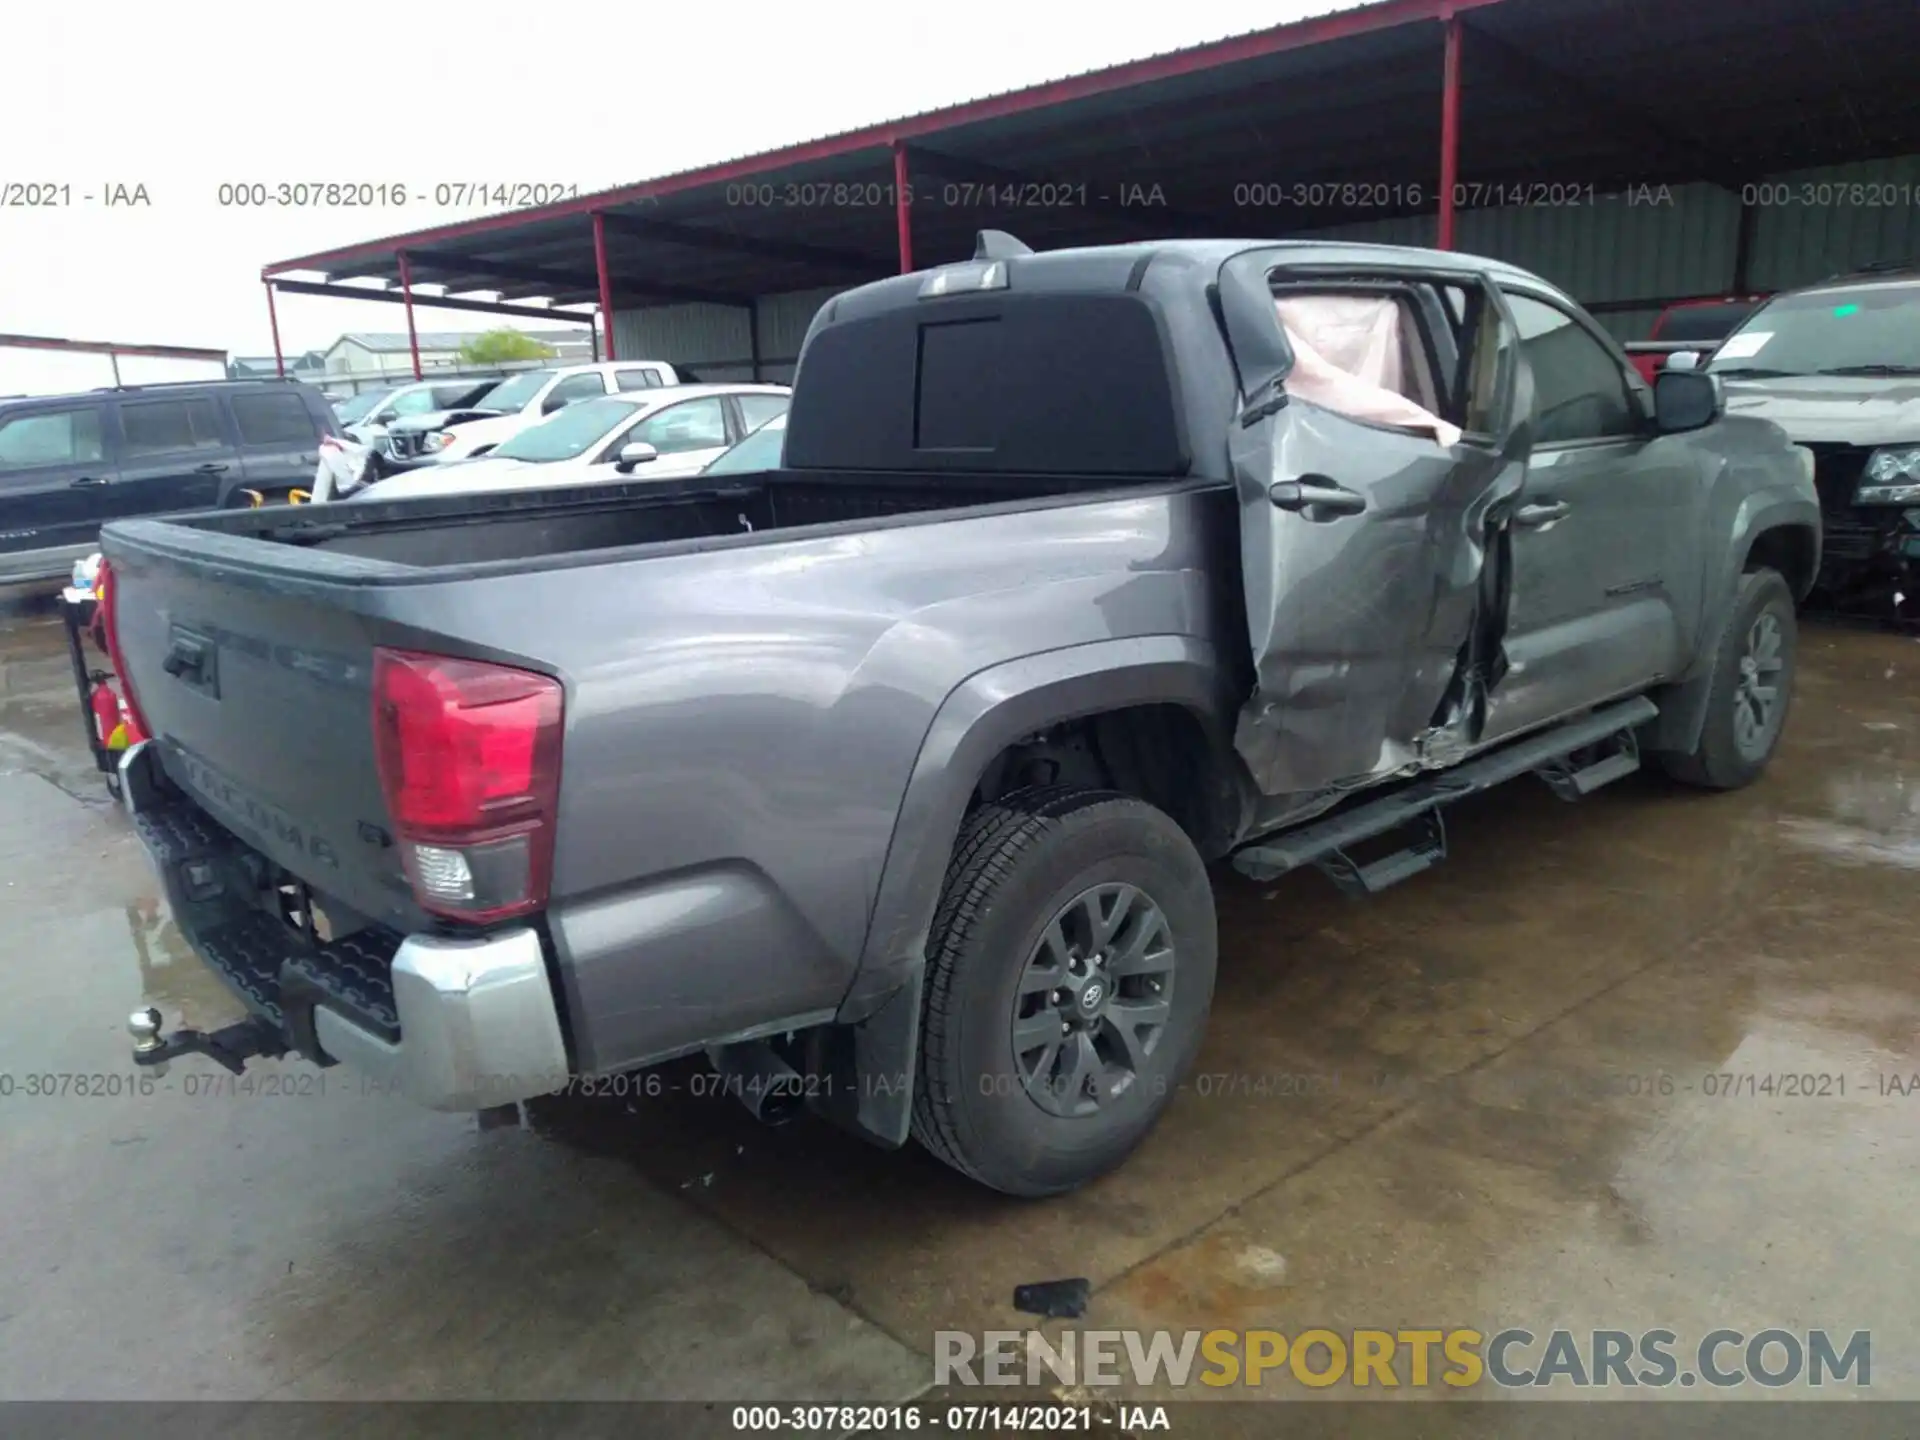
(452, 1023)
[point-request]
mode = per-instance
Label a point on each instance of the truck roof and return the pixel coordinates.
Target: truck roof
(1120, 267)
(1100, 360)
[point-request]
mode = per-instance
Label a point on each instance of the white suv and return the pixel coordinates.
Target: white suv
(528, 398)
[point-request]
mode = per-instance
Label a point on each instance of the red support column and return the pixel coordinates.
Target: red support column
(1449, 130)
(902, 206)
(273, 319)
(406, 296)
(606, 280)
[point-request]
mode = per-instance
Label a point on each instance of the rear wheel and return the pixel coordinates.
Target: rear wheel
(1752, 689)
(1070, 972)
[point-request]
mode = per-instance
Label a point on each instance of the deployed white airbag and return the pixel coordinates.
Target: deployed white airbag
(1347, 358)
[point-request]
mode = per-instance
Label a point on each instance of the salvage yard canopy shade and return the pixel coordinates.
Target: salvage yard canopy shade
(1355, 115)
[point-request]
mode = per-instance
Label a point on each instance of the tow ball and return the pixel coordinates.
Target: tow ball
(231, 1045)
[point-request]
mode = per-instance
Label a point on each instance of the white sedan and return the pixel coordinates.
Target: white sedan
(645, 435)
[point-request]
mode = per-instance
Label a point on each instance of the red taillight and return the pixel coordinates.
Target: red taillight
(136, 722)
(469, 756)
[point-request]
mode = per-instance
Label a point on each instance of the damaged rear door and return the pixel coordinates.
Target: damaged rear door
(1374, 552)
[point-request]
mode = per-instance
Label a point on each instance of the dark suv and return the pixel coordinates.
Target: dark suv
(69, 463)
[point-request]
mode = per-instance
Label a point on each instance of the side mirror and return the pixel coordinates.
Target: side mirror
(1686, 400)
(553, 403)
(1683, 360)
(638, 453)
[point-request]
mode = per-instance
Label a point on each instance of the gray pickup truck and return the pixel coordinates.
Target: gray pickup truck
(890, 779)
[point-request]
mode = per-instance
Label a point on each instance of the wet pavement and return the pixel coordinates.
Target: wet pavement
(1649, 1061)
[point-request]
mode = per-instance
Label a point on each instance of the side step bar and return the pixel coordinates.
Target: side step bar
(1325, 843)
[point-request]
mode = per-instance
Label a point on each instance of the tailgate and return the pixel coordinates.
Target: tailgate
(259, 696)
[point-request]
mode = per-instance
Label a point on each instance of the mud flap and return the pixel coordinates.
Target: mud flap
(1376, 560)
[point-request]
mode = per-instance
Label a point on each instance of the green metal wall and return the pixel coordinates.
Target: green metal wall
(1654, 244)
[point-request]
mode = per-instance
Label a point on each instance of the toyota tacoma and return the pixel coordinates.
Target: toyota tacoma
(890, 778)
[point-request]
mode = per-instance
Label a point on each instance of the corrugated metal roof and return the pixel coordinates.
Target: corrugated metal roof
(1158, 68)
(1554, 93)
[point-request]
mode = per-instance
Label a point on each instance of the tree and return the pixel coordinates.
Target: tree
(492, 347)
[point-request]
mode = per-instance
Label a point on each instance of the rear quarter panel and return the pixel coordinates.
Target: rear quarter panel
(742, 723)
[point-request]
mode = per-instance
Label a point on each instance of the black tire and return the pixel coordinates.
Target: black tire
(1017, 865)
(1724, 759)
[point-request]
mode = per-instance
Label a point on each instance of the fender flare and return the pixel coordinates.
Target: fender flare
(1683, 704)
(982, 716)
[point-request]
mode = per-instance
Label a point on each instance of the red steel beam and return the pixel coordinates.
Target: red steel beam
(606, 279)
(902, 205)
(1449, 130)
(438, 302)
(406, 298)
(1320, 30)
(273, 321)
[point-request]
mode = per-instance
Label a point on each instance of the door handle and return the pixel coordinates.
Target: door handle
(1532, 517)
(212, 467)
(1316, 497)
(89, 480)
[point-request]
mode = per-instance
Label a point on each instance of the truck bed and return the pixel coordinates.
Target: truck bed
(576, 525)
(250, 635)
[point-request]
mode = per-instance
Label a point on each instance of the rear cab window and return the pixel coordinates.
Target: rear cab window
(641, 377)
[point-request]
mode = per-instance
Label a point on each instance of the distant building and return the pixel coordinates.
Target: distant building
(364, 353)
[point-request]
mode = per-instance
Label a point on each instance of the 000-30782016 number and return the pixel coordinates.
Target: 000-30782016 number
(955, 1419)
(50, 1084)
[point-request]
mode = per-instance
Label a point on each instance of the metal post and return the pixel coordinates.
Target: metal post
(1449, 130)
(902, 203)
(406, 297)
(114, 361)
(606, 280)
(273, 319)
(593, 339)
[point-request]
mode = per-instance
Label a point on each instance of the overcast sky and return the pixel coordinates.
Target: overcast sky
(180, 97)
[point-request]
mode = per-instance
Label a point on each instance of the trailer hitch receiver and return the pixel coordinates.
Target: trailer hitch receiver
(231, 1045)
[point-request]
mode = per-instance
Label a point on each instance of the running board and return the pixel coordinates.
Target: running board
(1326, 842)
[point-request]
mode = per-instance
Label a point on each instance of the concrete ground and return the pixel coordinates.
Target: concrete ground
(1526, 1089)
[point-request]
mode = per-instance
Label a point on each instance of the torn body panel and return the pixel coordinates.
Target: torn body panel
(1374, 632)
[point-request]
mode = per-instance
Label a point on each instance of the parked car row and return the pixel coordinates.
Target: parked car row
(647, 434)
(519, 401)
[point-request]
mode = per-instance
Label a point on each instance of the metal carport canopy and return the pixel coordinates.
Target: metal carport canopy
(1342, 117)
